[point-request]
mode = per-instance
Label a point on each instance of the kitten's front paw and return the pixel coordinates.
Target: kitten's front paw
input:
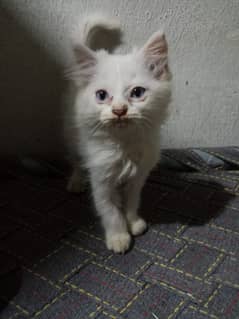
(119, 243)
(138, 227)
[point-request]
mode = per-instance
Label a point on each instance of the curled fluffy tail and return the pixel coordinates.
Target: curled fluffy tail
(98, 32)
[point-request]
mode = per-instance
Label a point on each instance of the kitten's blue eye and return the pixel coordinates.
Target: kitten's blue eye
(101, 95)
(137, 92)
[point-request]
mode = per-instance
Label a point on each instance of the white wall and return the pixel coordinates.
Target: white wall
(204, 47)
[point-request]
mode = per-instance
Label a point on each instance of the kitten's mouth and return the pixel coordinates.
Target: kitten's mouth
(118, 122)
(121, 122)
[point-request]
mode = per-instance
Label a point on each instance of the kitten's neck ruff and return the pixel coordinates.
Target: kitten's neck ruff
(127, 133)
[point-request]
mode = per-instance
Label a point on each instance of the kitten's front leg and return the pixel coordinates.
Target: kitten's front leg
(132, 193)
(108, 204)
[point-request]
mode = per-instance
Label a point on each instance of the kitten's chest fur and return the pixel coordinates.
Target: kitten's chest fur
(122, 159)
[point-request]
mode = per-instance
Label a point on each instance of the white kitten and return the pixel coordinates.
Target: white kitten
(120, 104)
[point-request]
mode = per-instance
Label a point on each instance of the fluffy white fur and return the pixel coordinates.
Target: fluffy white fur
(118, 153)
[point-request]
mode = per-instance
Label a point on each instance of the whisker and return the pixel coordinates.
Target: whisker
(84, 121)
(96, 127)
(144, 120)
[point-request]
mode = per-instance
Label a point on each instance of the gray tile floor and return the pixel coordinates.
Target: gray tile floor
(54, 264)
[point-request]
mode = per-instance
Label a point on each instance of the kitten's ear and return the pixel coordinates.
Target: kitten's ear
(83, 68)
(84, 55)
(155, 53)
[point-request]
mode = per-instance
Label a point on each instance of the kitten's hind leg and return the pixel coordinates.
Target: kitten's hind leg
(78, 181)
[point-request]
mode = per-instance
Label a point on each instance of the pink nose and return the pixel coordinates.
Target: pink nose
(120, 111)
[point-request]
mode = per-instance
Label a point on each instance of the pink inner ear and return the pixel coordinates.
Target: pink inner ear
(84, 65)
(157, 45)
(83, 55)
(156, 55)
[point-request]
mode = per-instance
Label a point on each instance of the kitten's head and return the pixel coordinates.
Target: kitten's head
(123, 90)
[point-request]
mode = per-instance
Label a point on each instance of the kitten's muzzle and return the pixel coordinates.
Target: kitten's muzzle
(120, 110)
